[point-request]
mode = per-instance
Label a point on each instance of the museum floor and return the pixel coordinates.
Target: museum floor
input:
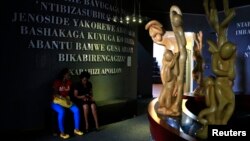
(132, 129)
(135, 129)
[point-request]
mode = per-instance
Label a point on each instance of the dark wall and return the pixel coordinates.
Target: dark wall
(49, 35)
(145, 64)
(239, 33)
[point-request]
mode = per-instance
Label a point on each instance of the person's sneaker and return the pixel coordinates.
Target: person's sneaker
(78, 132)
(64, 136)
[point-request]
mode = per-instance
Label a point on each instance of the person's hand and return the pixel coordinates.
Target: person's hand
(85, 98)
(90, 98)
(62, 88)
(68, 101)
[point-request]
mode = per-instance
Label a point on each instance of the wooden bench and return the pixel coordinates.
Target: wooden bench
(110, 111)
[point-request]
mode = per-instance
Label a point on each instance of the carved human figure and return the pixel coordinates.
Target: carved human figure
(197, 72)
(156, 32)
(220, 98)
(169, 73)
(170, 69)
(173, 81)
(223, 61)
(207, 115)
(219, 95)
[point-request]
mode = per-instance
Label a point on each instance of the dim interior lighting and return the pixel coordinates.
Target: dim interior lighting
(121, 20)
(115, 19)
(135, 18)
(127, 18)
(121, 13)
(139, 17)
(140, 20)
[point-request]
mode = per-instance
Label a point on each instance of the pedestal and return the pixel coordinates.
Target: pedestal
(183, 128)
(165, 128)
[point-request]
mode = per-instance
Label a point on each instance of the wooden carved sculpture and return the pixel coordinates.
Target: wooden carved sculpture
(173, 63)
(169, 70)
(199, 64)
(177, 23)
(219, 96)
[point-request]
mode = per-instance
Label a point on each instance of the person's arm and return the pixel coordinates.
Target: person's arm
(90, 91)
(76, 94)
(56, 90)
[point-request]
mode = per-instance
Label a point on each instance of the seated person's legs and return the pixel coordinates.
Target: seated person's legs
(75, 110)
(60, 117)
(86, 114)
(94, 112)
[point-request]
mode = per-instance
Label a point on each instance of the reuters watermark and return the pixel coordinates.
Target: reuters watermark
(218, 131)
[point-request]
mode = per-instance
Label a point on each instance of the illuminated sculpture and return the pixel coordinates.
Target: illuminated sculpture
(219, 96)
(169, 70)
(174, 61)
(217, 89)
(199, 64)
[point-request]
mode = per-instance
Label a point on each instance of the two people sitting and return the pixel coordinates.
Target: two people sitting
(61, 100)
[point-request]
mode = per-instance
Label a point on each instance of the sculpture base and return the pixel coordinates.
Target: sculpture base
(165, 128)
(184, 127)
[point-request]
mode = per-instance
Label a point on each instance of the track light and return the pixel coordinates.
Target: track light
(134, 18)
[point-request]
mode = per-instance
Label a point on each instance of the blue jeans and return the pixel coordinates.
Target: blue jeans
(61, 114)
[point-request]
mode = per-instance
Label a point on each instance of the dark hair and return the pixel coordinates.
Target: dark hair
(62, 73)
(84, 74)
